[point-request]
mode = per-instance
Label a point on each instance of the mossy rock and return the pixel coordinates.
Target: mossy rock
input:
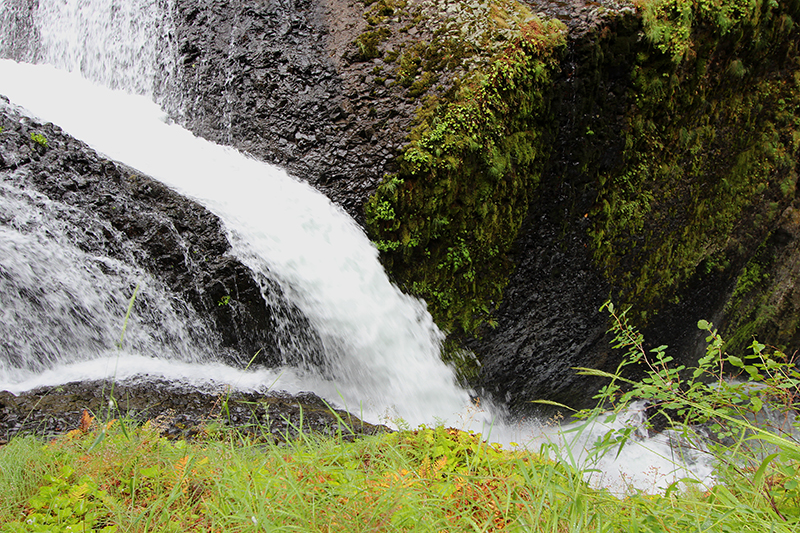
(464, 182)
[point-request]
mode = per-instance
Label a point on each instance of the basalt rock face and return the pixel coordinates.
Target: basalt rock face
(265, 77)
(672, 188)
(126, 216)
(287, 83)
(549, 321)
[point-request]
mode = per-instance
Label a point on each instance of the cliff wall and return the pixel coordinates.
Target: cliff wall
(518, 164)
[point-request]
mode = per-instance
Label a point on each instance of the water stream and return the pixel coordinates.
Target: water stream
(102, 64)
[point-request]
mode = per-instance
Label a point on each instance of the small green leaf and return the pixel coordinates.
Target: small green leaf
(735, 361)
(149, 472)
(756, 403)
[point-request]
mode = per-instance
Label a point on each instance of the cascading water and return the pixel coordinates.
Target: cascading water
(60, 303)
(380, 346)
(122, 44)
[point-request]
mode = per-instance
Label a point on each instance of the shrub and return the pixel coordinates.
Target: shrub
(740, 410)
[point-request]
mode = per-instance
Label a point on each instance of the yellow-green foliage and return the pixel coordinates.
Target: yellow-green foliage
(671, 24)
(39, 139)
(710, 143)
(425, 480)
(465, 177)
(429, 479)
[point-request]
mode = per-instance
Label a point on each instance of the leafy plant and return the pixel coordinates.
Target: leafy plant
(739, 409)
(39, 139)
(65, 505)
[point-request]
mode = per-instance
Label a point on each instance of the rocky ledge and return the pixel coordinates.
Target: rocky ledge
(179, 410)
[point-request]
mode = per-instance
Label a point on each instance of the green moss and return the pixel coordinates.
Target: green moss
(383, 9)
(465, 178)
(421, 84)
(749, 308)
(418, 66)
(709, 150)
(39, 139)
(369, 43)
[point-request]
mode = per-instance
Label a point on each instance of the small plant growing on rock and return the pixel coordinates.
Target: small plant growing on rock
(369, 42)
(39, 139)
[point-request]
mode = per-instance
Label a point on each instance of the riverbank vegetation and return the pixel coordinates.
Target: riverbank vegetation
(110, 476)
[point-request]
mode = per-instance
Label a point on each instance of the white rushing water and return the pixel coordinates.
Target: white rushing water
(60, 303)
(381, 345)
(124, 45)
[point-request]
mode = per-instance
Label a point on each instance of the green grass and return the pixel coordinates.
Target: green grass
(429, 479)
(116, 476)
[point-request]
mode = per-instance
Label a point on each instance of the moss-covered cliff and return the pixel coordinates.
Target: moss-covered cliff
(710, 151)
(668, 138)
(447, 219)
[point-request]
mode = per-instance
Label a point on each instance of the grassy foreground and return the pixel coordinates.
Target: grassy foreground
(113, 476)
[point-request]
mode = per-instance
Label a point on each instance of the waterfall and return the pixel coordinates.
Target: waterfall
(60, 303)
(121, 44)
(380, 345)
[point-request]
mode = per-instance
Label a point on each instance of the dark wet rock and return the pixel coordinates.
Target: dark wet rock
(177, 409)
(285, 83)
(260, 76)
(125, 215)
(549, 321)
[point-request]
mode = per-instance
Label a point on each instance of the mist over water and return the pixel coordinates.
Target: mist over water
(381, 347)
